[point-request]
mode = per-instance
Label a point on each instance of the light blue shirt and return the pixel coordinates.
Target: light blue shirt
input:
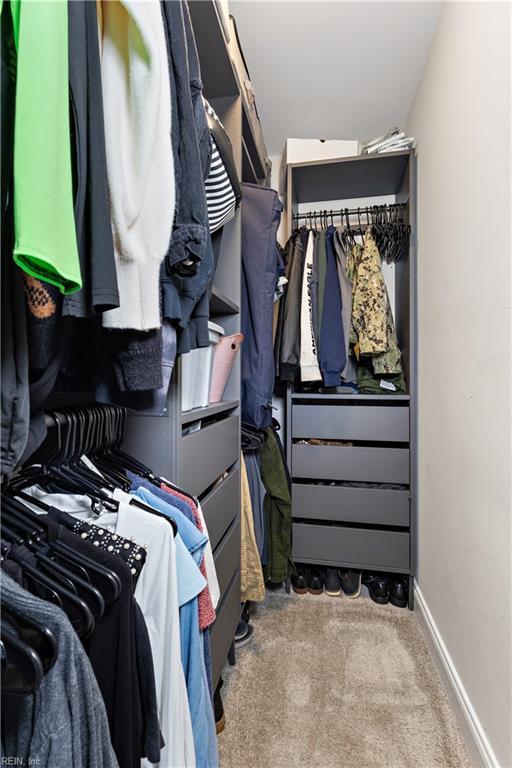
(194, 540)
(190, 544)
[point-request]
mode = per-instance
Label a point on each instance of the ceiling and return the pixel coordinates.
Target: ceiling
(333, 70)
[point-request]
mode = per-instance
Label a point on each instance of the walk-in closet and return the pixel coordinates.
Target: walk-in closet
(256, 384)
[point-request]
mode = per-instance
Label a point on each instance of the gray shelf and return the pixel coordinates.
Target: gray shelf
(196, 461)
(348, 177)
(221, 305)
(323, 398)
(257, 164)
(248, 170)
(362, 535)
(216, 68)
(209, 410)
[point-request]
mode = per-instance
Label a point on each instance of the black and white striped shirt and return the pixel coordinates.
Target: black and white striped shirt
(220, 196)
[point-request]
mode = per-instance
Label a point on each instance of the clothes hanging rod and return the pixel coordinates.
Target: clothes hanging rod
(349, 211)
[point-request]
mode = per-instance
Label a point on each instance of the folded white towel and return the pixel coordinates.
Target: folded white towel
(137, 105)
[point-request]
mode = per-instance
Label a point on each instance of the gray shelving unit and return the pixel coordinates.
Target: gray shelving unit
(206, 462)
(354, 505)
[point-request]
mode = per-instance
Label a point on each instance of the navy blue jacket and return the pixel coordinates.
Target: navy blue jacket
(333, 356)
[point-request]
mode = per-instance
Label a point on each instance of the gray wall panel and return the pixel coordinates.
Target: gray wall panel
(373, 549)
(227, 557)
(347, 422)
(370, 506)
(223, 630)
(371, 465)
(207, 453)
(221, 506)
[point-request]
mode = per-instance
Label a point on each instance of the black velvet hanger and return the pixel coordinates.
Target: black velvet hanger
(22, 668)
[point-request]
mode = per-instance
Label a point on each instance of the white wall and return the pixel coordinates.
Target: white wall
(333, 69)
(461, 119)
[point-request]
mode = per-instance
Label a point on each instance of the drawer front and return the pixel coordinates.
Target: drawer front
(371, 506)
(227, 557)
(221, 506)
(207, 453)
(362, 465)
(223, 630)
(351, 422)
(356, 547)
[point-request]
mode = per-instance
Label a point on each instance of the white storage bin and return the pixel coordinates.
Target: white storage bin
(196, 371)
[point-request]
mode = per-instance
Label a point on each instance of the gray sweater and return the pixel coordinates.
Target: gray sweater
(64, 723)
(349, 372)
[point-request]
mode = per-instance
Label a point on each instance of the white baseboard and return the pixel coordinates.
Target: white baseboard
(476, 740)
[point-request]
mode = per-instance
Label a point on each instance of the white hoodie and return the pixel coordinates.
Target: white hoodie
(309, 369)
(137, 105)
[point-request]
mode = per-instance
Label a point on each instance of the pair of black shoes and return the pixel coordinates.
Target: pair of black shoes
(314, 580)
(338, 580)
(387, 589)
(308, 580)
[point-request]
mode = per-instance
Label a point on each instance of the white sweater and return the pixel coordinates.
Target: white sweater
(137, 106)
(309, 369)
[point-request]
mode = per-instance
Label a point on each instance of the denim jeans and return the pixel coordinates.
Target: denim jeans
(261, 214)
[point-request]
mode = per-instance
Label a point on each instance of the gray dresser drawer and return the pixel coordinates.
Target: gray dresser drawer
(351, 547)
(370, 506)
(227, 556)
(207, 453)
(221, 506)
(352, 422)
(362, 465)
(222, 632)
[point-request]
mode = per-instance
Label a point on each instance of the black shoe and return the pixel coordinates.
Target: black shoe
(378, 588)
(246, 611)
(332, 582)
(351, 583)
(316, 581)
(398, 591)
(218, 708)
(299, 580)
(274, 586)
(243, 634)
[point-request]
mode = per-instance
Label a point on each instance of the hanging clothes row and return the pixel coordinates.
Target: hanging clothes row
(336, 325)
(262, 284)
(109, 201)
(266, 490)
(113, 567)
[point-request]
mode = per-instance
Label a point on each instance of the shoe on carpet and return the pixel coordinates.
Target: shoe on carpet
(299, 580)
(218, 708)
(332, 582)
(378, 588)
(316, 581)
(350, 582)
(243, 634)
(246, 611)
(398, 591)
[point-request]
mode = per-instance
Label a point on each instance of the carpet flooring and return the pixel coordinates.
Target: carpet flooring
(336, 683)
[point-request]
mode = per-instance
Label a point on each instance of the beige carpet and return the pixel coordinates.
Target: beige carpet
(336, 683)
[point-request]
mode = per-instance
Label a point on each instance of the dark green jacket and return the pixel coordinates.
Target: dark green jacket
(277, 508)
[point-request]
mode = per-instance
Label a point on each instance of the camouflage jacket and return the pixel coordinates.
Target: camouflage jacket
(372, 329)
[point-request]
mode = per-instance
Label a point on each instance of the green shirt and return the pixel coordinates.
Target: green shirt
(45, 236)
